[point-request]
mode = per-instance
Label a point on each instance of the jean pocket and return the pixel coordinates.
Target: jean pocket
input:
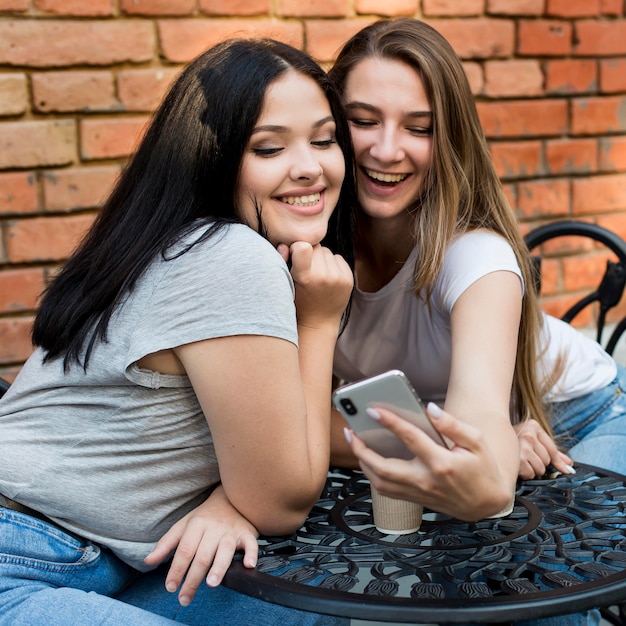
(27, 540)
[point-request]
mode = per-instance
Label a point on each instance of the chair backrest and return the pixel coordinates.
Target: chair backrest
(610, 288)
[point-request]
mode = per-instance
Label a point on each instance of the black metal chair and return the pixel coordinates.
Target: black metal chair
(608, 295)
(611, 287)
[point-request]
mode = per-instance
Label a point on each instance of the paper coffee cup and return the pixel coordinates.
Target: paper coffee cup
(395, 517)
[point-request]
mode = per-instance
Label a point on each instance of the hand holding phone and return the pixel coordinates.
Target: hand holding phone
(390, 390)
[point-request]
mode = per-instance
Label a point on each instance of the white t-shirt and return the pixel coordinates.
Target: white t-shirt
(392, 328)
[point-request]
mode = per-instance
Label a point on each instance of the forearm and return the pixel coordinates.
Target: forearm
(316, 349)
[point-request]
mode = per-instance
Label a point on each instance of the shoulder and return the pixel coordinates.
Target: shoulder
(471, 256)
(234, 249)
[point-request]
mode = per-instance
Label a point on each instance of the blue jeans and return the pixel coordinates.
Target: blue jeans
(592, 429)
(51, 578)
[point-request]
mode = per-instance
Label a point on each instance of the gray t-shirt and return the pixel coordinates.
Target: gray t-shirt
(118, 454)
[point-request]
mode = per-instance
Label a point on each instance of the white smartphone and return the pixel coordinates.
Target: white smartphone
(390, 390)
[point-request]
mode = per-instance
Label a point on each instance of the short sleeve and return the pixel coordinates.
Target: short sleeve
(470, 257)
(234, 283)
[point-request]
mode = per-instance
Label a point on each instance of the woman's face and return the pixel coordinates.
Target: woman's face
(391, 125)
(293, 168)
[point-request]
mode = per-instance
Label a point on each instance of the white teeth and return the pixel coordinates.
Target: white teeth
(386, 178)
(302, 200)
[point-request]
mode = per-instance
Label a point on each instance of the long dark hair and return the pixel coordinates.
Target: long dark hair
(185, 170)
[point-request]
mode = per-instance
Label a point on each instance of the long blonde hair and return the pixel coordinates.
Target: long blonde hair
(461, 190)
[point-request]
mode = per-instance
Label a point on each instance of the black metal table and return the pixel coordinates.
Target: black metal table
(562, 550)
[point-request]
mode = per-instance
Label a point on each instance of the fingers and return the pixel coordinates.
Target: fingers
(166, 545)
(283, 250)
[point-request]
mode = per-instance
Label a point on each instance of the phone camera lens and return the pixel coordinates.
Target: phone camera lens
(347, 404)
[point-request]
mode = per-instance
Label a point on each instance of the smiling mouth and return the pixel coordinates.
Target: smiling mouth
(309, 200)
(381, 177)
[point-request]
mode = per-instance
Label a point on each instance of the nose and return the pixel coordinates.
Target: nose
(386, 147)
(306, 164)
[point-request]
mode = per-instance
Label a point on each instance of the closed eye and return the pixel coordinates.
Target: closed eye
(266, 152)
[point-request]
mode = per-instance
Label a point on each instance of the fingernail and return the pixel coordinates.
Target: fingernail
(171, 586)
(251, 563)
(434, 410)
(570, 469)
(373, 413)
(184, 600)
(347, 434)
(212, 581)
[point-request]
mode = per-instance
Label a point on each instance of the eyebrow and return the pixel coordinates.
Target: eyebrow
(368, 107)
(284, 129)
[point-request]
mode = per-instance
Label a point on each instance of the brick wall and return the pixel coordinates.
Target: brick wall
(79, 78)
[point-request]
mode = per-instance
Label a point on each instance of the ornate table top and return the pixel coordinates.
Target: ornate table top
(561, 550)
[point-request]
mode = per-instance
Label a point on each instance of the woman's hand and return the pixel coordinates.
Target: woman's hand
(205, 541)
(323, 282)
(463, 481)
(538, 450)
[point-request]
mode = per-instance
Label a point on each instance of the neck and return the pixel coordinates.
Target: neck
(382, 247)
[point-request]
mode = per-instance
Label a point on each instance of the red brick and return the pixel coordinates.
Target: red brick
(57, 43)
(599, 193)
(568, 76)
(584, 273)
(313, 8)
(325, 38)
(78, 188)
(452, 7)
(517, 159)
(612, 7)
(593, 116)
(515, 7)
(67, 91)
(531, 118)
(600, 38)
(571, 156)
(37, 144)
(513, 78)
(157, 7)
(15, 343)
(236, 7)
(110, 138)
(143, 90)
(18, 193)
(474, 73)
(13, 94)
(615, 222)
(613, 154)
(542, 198)
(478, 38)
(20, 289)
(544, 38)
(612, 75)
(572, 8)
(45, 238)
(76, 7)
(390, 8)
(14, 5)
(184, 39)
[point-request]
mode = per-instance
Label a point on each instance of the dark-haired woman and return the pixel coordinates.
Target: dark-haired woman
(179, 390)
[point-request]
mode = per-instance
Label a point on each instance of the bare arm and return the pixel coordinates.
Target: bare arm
(477, 476)
(268, 403)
